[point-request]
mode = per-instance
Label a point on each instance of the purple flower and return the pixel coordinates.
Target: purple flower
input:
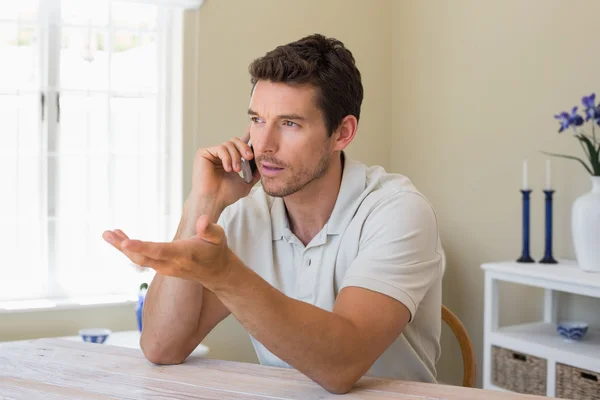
(567, 120)
(574, 118)
(590, 107)
(563, 118)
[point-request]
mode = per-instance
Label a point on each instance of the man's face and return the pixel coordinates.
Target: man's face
(289, 137)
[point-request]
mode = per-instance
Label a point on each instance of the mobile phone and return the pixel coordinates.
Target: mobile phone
(248, 166)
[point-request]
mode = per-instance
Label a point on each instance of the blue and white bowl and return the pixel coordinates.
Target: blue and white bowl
(94, 335)
(572, 331)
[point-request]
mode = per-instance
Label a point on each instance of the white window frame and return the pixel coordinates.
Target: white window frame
(170, 83)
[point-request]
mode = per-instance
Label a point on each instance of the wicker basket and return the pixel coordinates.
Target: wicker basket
(518, 372)
(576, 383)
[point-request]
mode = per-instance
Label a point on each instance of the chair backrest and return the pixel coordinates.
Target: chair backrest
(466, 346)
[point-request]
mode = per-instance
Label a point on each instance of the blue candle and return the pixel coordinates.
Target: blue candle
(548, 259)
(525, 257)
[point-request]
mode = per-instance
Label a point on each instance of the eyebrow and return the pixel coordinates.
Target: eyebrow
(284, 116)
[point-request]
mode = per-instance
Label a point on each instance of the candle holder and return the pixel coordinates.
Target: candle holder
(525, 257)
(548, 259)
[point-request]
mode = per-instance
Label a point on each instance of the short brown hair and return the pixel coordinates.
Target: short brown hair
(322, 62)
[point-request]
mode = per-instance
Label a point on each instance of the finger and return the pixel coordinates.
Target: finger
(154, 250)
(243, 148)
(160, 266)
(236, 156)
(118, 235)
(136, 258)
(113, 238)
(121, 233)
(223, 154)
(209, 232)
(117, 242)
(210, 154)
(142, 262)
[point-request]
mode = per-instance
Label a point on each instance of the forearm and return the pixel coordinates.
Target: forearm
(324, 346)
(173, 305)
(171, 316)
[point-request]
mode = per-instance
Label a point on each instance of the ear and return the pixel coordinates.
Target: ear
(344, 134)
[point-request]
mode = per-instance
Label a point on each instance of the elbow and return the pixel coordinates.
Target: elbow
(339, 382)
(160, 354)
(337, 386)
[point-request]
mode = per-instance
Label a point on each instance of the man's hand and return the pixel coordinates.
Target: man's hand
(215, 175)
(204, 257)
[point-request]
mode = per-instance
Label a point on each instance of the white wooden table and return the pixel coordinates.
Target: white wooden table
(539, 338)
(131, 339)
(67, 369)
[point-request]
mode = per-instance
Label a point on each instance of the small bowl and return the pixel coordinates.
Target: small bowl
(94, 335)
(572, 331)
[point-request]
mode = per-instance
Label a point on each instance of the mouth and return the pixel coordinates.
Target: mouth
(269, 169)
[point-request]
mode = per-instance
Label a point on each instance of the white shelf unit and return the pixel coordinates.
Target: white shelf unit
(539, 339)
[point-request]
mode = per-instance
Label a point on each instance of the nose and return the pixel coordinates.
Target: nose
(265, 139)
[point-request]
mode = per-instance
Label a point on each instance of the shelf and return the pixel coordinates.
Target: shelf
(565, 276)
(541, 340)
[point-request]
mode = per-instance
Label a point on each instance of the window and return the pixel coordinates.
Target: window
(89, 141)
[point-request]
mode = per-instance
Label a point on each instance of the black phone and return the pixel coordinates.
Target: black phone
(248, 166)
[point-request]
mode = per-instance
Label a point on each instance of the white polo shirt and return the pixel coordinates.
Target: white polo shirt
(382, 235)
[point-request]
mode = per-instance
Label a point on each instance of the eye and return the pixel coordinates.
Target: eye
(256, 120)
(290, 123)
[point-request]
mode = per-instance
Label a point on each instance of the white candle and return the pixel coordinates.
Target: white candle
(548, 176)
(525, 184)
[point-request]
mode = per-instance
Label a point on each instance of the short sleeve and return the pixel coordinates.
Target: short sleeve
(399, 252)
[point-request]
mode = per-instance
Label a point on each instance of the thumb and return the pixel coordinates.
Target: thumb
(209, 232)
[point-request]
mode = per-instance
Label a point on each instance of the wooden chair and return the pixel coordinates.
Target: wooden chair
(466, 347)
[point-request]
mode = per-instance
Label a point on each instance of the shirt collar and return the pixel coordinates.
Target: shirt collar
(353, 184)
(279, 220)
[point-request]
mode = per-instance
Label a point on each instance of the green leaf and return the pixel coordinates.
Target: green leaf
(593, 153)
(598, 152)
(571, 158)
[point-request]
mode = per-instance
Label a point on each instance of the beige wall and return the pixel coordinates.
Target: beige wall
(36, 324)
(475, 87)
(234, 32)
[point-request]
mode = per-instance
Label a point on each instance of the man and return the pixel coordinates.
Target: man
(334, 268)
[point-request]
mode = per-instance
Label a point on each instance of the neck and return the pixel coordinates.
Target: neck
(309, 209)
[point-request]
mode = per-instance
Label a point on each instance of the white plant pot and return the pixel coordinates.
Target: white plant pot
(585, 219)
